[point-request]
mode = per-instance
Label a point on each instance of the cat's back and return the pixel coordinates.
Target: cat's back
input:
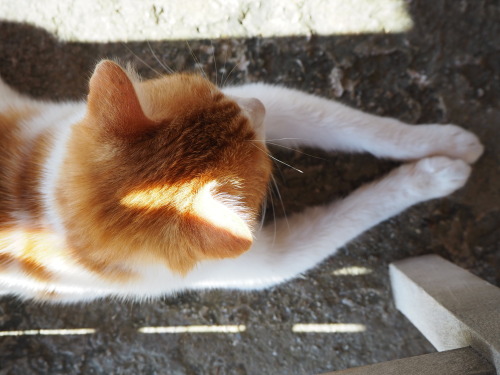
(12, 114)
(23, 147)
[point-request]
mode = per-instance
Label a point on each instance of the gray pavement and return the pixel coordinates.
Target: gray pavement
(445, 69)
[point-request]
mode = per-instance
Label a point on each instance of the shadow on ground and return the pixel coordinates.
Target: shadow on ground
(444, 70)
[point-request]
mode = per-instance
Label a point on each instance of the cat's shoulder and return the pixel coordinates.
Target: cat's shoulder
(11, 99)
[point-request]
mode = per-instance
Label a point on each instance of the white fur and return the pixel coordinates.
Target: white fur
(284, 249)
(70, 114)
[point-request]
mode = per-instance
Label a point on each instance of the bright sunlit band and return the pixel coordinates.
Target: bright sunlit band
(328, 328)
(49, 332)
(122, 20)
(297, 328)
(194, 329)
(352, 271)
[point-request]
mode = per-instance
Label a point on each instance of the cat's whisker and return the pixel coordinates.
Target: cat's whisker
(229, 75)
(288, 148)
(282, 139)
(167, 68)
(215, 62)
(263, 210)
(296, 150)
(224, 67)
(282, 162)
(270, 189)
(278, 160)
(141, 60)
(281, 200)
(196, 61)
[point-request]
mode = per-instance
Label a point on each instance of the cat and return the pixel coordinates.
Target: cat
(154, 187)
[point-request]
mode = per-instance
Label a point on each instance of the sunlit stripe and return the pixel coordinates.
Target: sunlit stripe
(352, 271)
(201, 19)
(40, 332)
(329, 328)
(297, 328)
(194, 329)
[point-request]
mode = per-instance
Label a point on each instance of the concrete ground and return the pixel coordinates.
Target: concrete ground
(445, 69)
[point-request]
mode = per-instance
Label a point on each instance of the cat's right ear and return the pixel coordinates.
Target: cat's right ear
(113, 103)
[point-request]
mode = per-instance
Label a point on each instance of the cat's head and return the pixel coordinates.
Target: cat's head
(165, 170)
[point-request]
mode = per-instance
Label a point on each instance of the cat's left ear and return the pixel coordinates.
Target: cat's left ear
(113, 102)
(217, 228)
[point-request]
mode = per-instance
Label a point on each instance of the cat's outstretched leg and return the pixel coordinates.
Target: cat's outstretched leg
(295, 245)
(295, 118)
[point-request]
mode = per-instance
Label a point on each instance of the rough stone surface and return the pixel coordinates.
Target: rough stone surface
(123, 20)
(446, 69)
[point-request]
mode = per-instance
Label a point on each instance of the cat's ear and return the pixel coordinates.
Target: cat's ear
(218, 227)
(113, 101)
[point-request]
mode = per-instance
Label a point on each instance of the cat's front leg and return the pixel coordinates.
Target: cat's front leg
(448, 140)
(322, 230)
(390, 138)
(296, 118)
(291, 246)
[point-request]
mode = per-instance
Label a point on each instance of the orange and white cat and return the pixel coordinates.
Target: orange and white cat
(153, 187)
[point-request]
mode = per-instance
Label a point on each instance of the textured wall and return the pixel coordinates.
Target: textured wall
(122, 20)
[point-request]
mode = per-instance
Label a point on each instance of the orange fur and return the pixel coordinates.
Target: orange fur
(35, 269)
(21, 163)
(11, 160)
(6, 260)
(172, 135)
(38, 248)
(144, 172)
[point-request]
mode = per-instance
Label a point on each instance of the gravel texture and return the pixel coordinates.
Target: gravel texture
(445, 70)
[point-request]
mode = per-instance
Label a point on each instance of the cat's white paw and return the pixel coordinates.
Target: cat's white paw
(437, 176)
(456, 142)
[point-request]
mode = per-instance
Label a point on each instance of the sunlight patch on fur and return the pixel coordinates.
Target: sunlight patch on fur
(195, 329)
(49, 332)
(157, 197)
(219, 209)
(189, 197)
(352, 271)
(183, 197)
(329, 328)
